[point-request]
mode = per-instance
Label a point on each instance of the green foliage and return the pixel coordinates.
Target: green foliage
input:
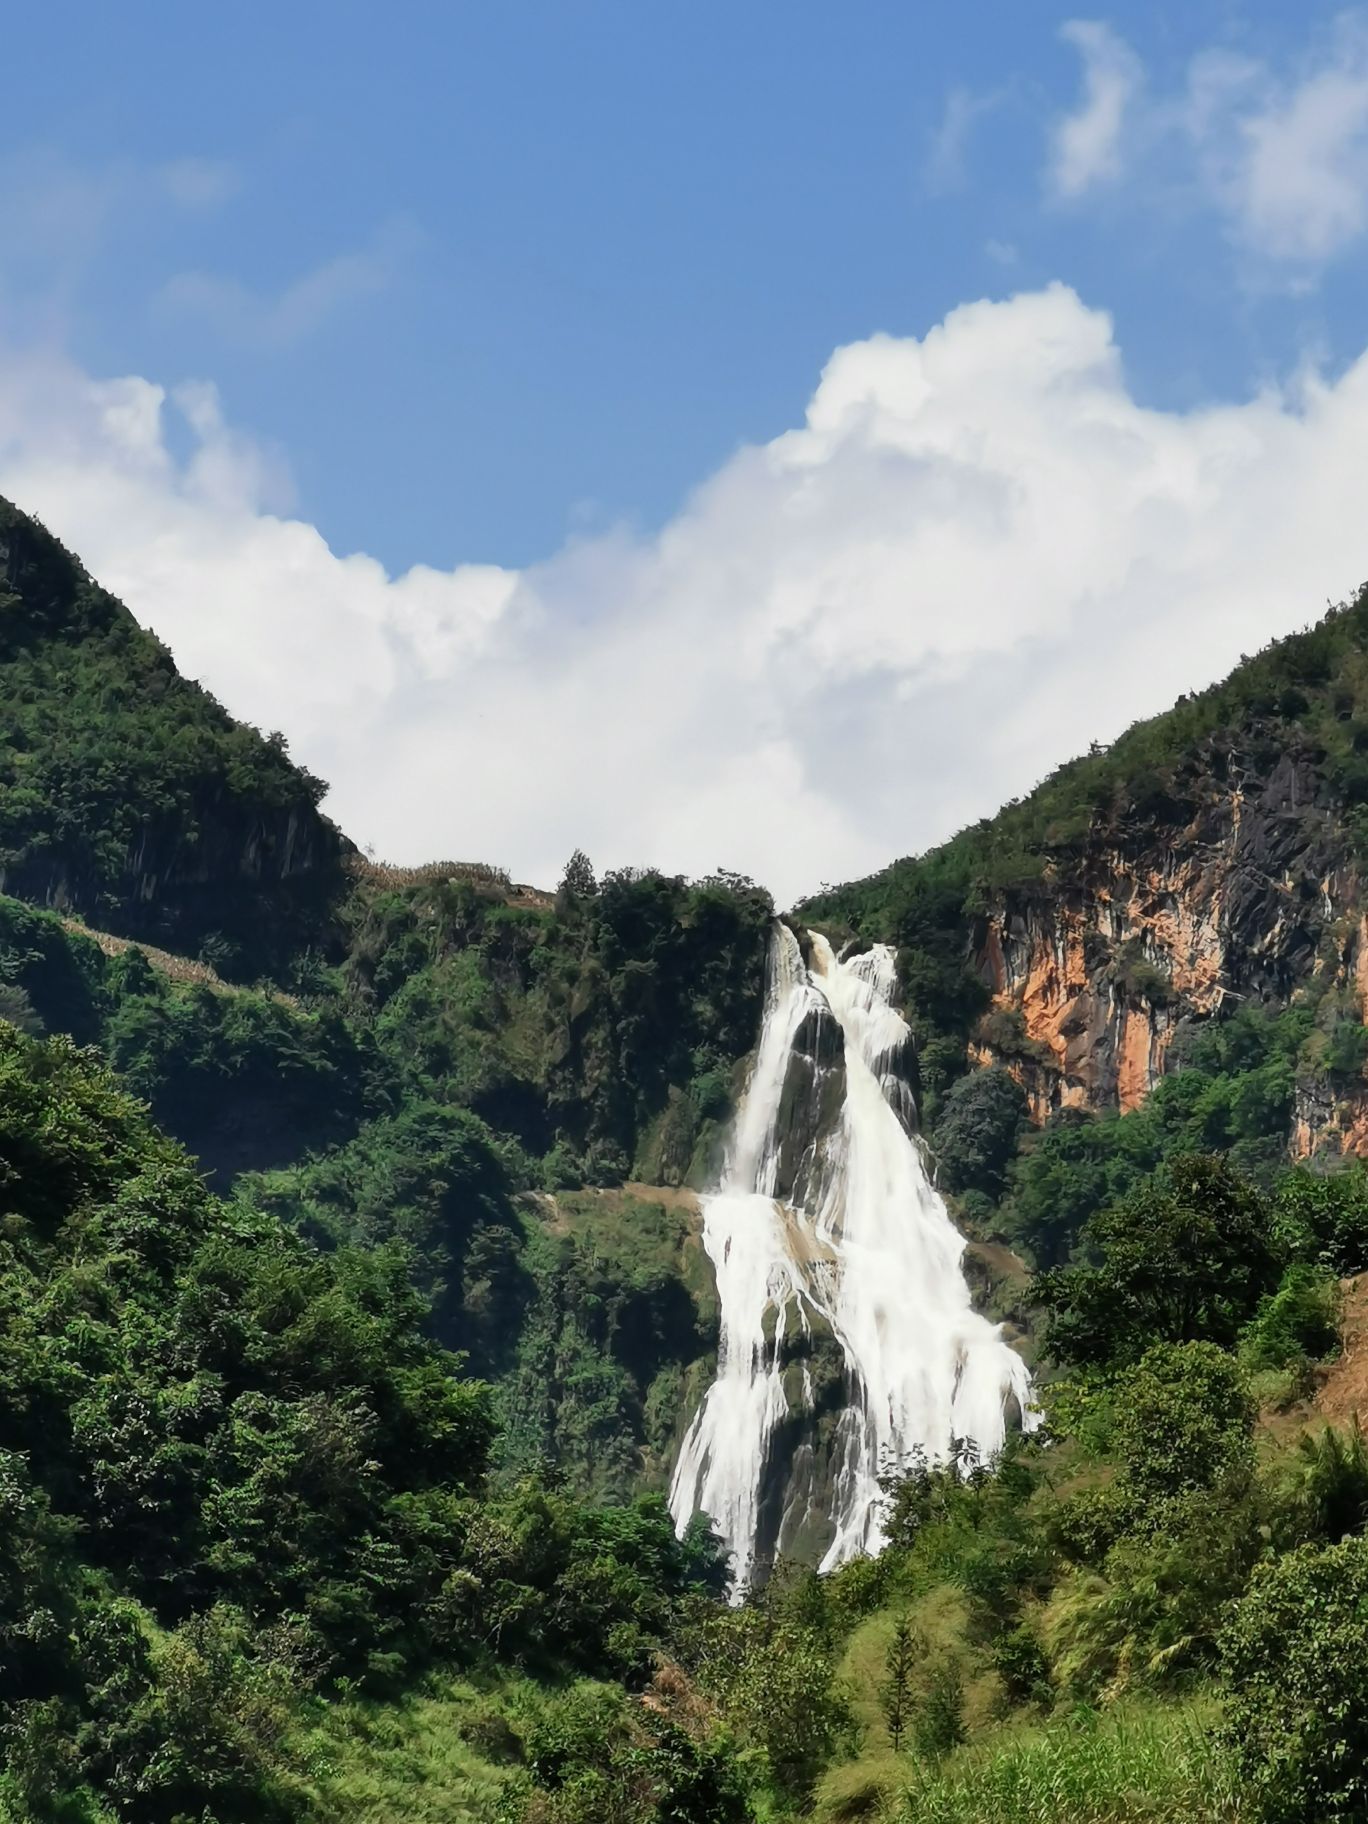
(938, 1724)
(1323, 1218)
(1300, 1321)
(621, 1309)
(234, 1468)
(1327, 1489)
(1138, 977)
(977, 1131)
(434, 1179)
(769, 1668)
(1184, 1420)
(1073, 1168)
(600, 1760)
(906, 1650)
(1144, 1764)
(115, 772)
(1294, 1656)
(1346, 1048)
(1178, 1262)
(570, 1031)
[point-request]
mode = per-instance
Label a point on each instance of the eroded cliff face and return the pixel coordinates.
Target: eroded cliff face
(1095, 976)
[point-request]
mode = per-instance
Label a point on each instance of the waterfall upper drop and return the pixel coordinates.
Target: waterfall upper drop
(848, 1340)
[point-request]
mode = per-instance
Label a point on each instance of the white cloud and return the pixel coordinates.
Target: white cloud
(945, 164)
(1300, 189)
(1085, 147)
(976, 554)
(1281, 155)
(280, 318)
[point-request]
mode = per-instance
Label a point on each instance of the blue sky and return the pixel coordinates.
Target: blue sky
(505, 286)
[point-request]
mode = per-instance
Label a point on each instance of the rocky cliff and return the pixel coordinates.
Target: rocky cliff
(1254, 897)
(1212, 859)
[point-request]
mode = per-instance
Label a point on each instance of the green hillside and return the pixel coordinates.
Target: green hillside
(130, 795)
(1305, 695)
(352, 1299)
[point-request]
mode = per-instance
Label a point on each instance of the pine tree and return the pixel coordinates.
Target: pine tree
(897, 1694)
(939, 1723)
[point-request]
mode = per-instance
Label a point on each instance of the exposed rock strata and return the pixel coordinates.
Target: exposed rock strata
(1094, 976)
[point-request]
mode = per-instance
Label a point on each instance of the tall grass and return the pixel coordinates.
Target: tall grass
(1131, 1767)
(419, 1759)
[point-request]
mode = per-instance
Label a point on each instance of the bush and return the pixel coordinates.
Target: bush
(1295, 1659)
(1184, 1420)
(1180, 1262)
(1322, 1218)
(1300, 1320)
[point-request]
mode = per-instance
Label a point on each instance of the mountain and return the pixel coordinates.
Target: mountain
(129, 795)
(333, 1449)
(1205, 874)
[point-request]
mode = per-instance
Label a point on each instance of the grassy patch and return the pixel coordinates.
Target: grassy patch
(1131, 1766)
(425, 1758)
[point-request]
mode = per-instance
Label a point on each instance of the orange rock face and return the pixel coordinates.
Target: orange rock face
(1158, 928)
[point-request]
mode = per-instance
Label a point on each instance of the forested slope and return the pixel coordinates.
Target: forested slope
(332, 1483)
(129, 794)
(1172, 929)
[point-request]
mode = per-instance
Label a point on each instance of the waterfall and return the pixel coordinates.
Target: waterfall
(831, 1246)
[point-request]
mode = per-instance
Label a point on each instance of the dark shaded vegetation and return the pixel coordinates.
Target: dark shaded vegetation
(235, 1470)
(466, 1054)
(129, 793)
(243, 1079)
(602, 1035)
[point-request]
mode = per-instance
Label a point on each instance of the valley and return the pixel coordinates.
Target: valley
(622, 1350)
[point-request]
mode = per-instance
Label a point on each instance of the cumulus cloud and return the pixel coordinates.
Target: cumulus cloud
(1085, 146)
(975, 554)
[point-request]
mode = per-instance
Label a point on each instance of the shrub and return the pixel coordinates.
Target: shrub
(1323, 1218)
(1179, 1262)
(1300, 1320)
(1295, 1658)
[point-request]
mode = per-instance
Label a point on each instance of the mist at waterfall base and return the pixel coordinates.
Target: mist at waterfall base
(825, 1226)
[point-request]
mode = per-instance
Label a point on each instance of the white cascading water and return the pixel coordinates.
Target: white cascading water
(875, 1259)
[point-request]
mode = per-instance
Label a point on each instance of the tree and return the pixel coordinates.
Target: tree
(577, 883)
(1295, 1659)
(897, 1695)
(939, 1723)
(1075, 1166)
(1322, 1217)
(1184, 1419)
(1178, 1262)
(976, 1134)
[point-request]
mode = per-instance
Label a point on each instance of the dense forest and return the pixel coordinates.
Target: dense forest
(354, 1300)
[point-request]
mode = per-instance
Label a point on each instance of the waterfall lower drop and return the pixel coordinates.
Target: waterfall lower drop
(827, 1236)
